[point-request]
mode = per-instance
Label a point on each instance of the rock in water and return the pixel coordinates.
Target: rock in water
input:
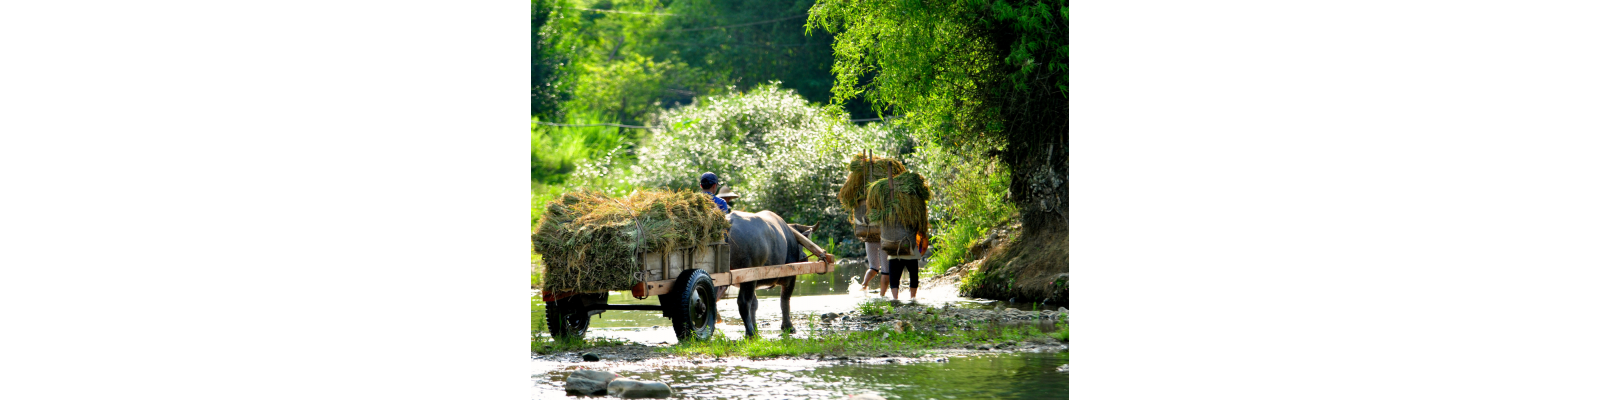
(588, 382)
(590, 357)
(581, 386)
(632, 389)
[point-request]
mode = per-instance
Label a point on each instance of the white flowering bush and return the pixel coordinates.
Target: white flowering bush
(771, 147)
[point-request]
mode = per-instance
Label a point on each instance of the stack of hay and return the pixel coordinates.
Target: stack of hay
(864, 170)
(900, 205)
(592, 242)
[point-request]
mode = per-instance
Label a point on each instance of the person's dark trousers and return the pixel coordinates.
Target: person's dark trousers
(896, 266)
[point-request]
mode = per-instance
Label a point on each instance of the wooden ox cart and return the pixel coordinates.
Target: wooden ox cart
(686, 283)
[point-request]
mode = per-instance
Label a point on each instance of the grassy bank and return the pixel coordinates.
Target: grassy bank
(1029, 268)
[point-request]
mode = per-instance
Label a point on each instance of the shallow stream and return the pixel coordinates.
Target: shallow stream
(1020, 375)
(815, 294)
(996, 376)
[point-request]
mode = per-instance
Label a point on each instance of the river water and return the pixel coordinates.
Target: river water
(814, 294)
(1020, 375)
(997, 376)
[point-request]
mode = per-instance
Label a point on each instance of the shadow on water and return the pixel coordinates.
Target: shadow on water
(1000, 376)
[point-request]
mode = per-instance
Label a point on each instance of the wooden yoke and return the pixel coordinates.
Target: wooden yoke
(815, 250)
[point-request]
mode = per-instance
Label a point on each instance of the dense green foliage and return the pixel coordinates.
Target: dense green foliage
(548, 91)
(953, 64)
(621, 60)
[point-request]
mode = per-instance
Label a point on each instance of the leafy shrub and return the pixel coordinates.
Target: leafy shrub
(769, 145)
(971, 199)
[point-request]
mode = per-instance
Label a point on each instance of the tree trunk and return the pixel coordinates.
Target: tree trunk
(1032, 266)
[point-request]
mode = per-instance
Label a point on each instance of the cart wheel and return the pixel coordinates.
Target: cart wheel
(566, 318)
(694, 306)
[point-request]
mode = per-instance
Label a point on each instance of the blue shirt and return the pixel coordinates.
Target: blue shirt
(723, 204)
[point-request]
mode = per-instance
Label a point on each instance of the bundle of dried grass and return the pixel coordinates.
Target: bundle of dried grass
(900, 204)
(591, 241)
(864, 170)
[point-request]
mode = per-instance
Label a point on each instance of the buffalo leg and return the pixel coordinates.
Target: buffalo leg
(783, 302)
(747, 307)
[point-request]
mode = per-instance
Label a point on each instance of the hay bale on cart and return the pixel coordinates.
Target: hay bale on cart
(593, 242)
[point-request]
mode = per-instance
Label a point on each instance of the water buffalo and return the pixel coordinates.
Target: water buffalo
(762, 239)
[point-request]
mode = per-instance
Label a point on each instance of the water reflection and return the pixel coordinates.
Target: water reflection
(1001, 376)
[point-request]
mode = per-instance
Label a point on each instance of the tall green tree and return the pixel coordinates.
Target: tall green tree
(754, 41)
(548, 59)
(624, 60)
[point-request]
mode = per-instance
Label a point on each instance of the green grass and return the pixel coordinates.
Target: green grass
(971, 281)
(955, 239)
(549, 346)
(557, 151)
(875, 307)
(1060, 334)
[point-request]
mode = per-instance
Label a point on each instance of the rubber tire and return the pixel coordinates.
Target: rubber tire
(693, 306)
(565, 317)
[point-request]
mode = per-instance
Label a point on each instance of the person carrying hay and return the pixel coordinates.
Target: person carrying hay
(899, 204)
(865, 169)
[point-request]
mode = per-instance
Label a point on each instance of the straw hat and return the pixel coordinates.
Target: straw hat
(726, 194)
